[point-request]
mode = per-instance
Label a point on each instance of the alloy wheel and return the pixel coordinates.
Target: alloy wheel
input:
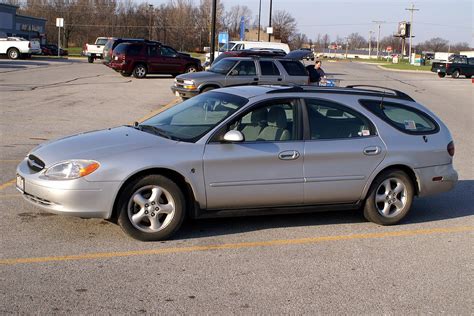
(151, 208)
(391, 197)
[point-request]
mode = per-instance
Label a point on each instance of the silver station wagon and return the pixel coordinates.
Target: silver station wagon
(250, 149)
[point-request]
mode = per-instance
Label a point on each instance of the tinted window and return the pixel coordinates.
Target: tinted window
(402, 117)
(294, 68)
(244, 68)
(134, 50)
(168, 51)
(471, 61)
(223, 66)
(332, 121)
(153, 50)
(269, 68)
(121, 49)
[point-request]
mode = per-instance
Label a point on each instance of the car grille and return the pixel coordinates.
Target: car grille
(38, 200)
(35, 163)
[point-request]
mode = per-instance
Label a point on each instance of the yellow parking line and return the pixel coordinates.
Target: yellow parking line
(7, 184)
(164, 107)
(7, 196)
(10, 160)
(270, 243)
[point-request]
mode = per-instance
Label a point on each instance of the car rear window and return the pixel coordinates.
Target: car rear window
(269, 68)
(128, 49)
(101, 41)
(294, 68)
(404, 118)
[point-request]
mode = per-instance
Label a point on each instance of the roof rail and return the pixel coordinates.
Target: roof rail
(398, 93)
(344, 90)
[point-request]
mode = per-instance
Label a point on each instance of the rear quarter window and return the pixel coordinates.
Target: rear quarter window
(294, 68)
(404, 118)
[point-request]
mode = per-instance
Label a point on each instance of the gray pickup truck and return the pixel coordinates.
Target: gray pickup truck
(237, 71)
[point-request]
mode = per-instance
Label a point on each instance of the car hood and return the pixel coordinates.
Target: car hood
(96, 144)
(200, 75)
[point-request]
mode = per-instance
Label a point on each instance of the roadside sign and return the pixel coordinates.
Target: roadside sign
(60, 22)
(223, 38)
(270, 30)
(389, 49)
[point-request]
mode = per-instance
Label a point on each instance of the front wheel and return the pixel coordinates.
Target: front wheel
(455, 74)
(441, 74)
(390, 197)
(139, 71)
(151, 208)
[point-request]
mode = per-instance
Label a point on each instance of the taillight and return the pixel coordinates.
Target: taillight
(451, 149)
(29, 44)
(447, 65)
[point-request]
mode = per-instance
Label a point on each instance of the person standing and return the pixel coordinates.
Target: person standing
(316, 73)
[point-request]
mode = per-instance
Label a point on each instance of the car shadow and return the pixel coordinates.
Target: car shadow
(457, 203)
(158, 77)
(13, 64)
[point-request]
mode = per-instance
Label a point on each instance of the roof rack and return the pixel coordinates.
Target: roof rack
(352, 89)
(398, 93)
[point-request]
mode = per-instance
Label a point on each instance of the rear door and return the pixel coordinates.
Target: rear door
(269, 72)
(296, 73)
(243, 73)
(155, 63)
(341, 152)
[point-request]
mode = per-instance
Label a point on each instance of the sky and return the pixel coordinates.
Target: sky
(450, 19)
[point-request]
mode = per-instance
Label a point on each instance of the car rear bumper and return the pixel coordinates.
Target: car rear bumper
(436, 179)
(76, 197)
(120, 67)
(184, 93)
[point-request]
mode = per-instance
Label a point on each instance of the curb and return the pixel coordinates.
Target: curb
(164, 107)
(407, 71)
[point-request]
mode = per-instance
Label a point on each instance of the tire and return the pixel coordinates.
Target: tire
(138, 209)
(90, 59)
(468, 76)
(191, 68)
(13, 53)
(455, 74)
(125, 74)
(393, 204)
(139, 71)
(441, 74)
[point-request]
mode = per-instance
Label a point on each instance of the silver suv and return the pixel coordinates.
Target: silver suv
(237, 71)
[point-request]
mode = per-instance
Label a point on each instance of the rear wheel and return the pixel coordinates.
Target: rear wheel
(13, 53)
(455, 74)
(125, 74)
(207, 89)
(468, 76)
(151, 208)
(390, 197)
(191, 68)
(90, 59)
(139, 71)
(441, 74)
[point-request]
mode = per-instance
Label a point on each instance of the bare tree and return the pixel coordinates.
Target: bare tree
(355, 41)
(284, 25)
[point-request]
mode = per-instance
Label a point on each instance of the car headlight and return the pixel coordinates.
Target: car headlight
(189, 84)
(71, 169)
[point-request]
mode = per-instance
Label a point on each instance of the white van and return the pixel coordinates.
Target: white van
(240, 45)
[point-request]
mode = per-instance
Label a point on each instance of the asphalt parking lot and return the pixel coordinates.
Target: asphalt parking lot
(321, 263)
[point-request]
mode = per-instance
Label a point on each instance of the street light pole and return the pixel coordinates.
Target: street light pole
(259, 13)
(150, 6)
(412, 9)
(270, 22)
(370, 44)
(213, 29)
(378, 36)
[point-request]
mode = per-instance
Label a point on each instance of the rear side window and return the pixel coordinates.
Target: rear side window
(269, 68)
(404, 118)
(471, 61)
(294, 68)
(134, 50)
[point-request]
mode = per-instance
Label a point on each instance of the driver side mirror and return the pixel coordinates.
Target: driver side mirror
(233, 136)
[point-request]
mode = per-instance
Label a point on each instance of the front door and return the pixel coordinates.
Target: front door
(266, 169)
(244, 73)
(341, 153)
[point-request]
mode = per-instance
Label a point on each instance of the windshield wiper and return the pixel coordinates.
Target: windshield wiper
(155, 130)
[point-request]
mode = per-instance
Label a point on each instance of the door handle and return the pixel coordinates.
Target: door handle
(289, 155)
(280, 79)
(372, 150)
(255, 79)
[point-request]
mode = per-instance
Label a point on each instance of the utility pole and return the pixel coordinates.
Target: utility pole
(412, 9)
(370, 44)
(213, 29)
(270, 22)
(378, 36)
(150, 37)
(259, 13)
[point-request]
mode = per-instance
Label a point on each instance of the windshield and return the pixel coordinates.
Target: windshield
(223, 66)
(193, 118)
(223, 47)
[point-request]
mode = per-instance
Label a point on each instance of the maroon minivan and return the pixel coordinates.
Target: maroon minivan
(142, 58)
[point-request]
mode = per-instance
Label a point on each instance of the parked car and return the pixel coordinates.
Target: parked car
(248, 150)
(251, 53)
(235, 71)
(18, 47)
(457, 65)
(96, 50)
(113, 42)
(142, 58)
(242, 45)
(52, 50)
